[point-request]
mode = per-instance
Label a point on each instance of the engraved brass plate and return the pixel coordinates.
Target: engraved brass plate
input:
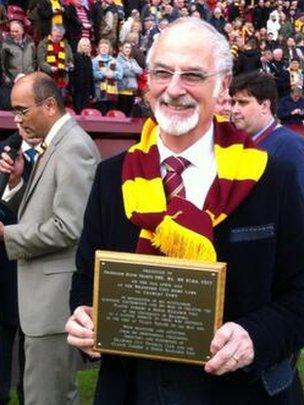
(157, 307)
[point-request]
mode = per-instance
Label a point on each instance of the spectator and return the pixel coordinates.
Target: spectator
(18, 54)
(82, 76)
(77, 23)
(150, 29)
(287, 29)
(273, 25)
(217, 20)
(130, 5)
(55, 58)
(203, 9)
(152, 9)
(171, 13)
(106, 73)
(109, 24)
(258, 15)
(127, 85)
(223, 106)
(137, 53)
(3, 19)
(50, 13)
(271, 42)
(249, 58)
(295, 74)
(291, 107)
(266, 59)
(127, 25)
(291, 52)
(279, 72)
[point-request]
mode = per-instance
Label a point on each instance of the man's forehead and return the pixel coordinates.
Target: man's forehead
(183, 50)
(22, 93)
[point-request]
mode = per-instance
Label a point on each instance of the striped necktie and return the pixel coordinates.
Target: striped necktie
(173, 182)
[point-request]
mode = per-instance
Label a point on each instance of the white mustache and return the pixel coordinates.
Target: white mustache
(182, 101)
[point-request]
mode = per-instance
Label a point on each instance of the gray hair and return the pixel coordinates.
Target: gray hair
(222, 54)
(59, 28)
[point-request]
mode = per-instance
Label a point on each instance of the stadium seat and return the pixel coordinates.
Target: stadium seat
(91, 113)
(116, 114)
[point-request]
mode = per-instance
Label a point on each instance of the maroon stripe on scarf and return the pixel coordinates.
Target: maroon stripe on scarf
(147, 165)
(191, 217)
(147, 221)
(144, 246)
(223, 190)
(226, 135)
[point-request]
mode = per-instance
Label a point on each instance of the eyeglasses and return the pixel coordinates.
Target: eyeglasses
(189, 78)
(22, 112)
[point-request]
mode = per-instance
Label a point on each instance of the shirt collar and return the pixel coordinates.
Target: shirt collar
(261, 131)
(55, 129)
(196, 153)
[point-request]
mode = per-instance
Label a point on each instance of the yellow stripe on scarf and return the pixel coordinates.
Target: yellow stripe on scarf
(51, 59)
(148, 137)
(174, 240)
(217, 220)
(237, 163)
(143, 196)
(221, 118)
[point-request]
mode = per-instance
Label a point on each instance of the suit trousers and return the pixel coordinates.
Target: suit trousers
(50, 371)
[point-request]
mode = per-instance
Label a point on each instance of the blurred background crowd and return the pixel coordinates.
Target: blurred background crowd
(95, 50)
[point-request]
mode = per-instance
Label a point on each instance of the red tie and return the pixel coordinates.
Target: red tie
(173, 182)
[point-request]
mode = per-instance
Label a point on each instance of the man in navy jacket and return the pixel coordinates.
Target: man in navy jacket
(261, 241)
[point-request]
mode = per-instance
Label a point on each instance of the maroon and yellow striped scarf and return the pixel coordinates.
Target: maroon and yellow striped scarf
(179, 229)
(56, 56)
(108, 86)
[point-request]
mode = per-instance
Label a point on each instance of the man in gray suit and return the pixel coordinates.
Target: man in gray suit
(50, 213)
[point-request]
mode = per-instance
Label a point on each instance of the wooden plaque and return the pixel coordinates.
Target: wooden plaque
(157, 307)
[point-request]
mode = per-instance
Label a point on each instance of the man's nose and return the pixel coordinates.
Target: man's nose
(235, 108)
(175, 86)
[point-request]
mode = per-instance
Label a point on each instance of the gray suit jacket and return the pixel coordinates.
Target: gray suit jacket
(50, 221)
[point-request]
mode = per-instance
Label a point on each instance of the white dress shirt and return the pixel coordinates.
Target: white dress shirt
(199, 176)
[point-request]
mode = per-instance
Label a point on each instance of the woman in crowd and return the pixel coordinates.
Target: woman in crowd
(106, 72)
(127, 85)
(83, 81)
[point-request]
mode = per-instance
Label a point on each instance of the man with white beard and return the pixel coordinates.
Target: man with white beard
(198, 189)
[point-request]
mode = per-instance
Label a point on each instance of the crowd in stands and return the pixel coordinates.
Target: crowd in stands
(95, 50)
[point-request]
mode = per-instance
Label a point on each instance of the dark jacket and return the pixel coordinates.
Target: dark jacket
(248, 61)
(285, 108)
(262, 243)
(82, 76)
(45, 13)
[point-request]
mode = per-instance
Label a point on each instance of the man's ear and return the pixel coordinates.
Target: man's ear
(266, 106)
(225, 84)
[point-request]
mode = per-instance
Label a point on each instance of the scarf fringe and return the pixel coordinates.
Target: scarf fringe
(174, 240)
